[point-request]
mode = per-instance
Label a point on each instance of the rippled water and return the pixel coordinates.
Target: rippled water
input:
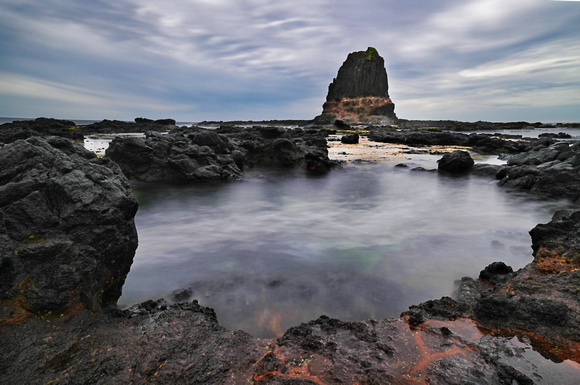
(367, 241)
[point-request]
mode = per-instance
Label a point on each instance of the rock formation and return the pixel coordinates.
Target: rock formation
(67, 235)
(198, 155)
(456, 162)
(360, 92)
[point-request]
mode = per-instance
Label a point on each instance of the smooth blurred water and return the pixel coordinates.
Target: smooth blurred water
(367, 241)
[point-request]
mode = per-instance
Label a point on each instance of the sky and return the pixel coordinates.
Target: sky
(194, 60)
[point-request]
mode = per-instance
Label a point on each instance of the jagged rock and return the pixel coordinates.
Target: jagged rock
(23, 129)
(360, 92)
(199, 156)
(67, 236)
(551, 171)
(456, 162)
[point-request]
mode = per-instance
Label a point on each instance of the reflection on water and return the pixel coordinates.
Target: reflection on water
(281, 248)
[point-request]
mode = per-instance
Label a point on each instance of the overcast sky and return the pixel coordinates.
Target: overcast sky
(193, 60)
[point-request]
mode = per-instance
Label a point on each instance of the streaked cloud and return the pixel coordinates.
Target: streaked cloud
(258, 59)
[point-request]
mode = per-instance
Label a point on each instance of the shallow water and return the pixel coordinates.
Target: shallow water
(367, 241)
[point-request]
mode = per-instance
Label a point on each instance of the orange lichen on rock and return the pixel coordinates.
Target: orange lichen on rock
(553, 261)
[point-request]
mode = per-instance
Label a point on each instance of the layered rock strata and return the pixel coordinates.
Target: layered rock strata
(360, 92)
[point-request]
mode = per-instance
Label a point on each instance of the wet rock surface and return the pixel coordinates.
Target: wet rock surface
(191, 155)
(540, 300)
(481, 143)
(456, 162)
(549, 171)
(183, 343)
(67, 235)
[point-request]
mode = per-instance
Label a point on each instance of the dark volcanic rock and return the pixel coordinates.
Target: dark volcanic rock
(200, 156)
(66, 228)
(362, 74)
(482, 143)
(151, 342)
(552, 171)
(350, 139)
(23, 129)
(184, 344)
(140, 125)
(456, 162)
(281, 148)
(360, 92)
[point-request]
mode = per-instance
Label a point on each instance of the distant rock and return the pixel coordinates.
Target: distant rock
(350, 139)
(360, 92)
(67, 235)
(23, 129)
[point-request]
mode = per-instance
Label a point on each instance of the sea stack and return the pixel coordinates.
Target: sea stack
(360, 92)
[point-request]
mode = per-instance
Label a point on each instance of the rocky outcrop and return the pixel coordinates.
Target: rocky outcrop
(184, 344)
(67, 236)
(140, 125)
(61, 209)
(199, 155)
(360, 92)
(481, 143)
(22, 129)
(551, 171)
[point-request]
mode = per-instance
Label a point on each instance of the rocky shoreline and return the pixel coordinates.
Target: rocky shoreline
(68, 240)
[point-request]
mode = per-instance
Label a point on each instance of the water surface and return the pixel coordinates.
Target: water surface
(367, 241)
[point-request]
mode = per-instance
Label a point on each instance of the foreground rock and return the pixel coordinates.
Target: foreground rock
(199, 155)
(183, 343)
(67, 236)
(360, 92)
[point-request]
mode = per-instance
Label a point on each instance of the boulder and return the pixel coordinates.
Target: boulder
(67, 235)
(456, 162)
(350, 139)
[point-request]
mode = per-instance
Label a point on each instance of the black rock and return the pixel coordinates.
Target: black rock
(67, 234)
(201, 156)
(496, 273)
(456, 162)
(362, 74)
(350, 139)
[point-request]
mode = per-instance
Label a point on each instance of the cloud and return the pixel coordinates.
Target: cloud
(258, 59)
